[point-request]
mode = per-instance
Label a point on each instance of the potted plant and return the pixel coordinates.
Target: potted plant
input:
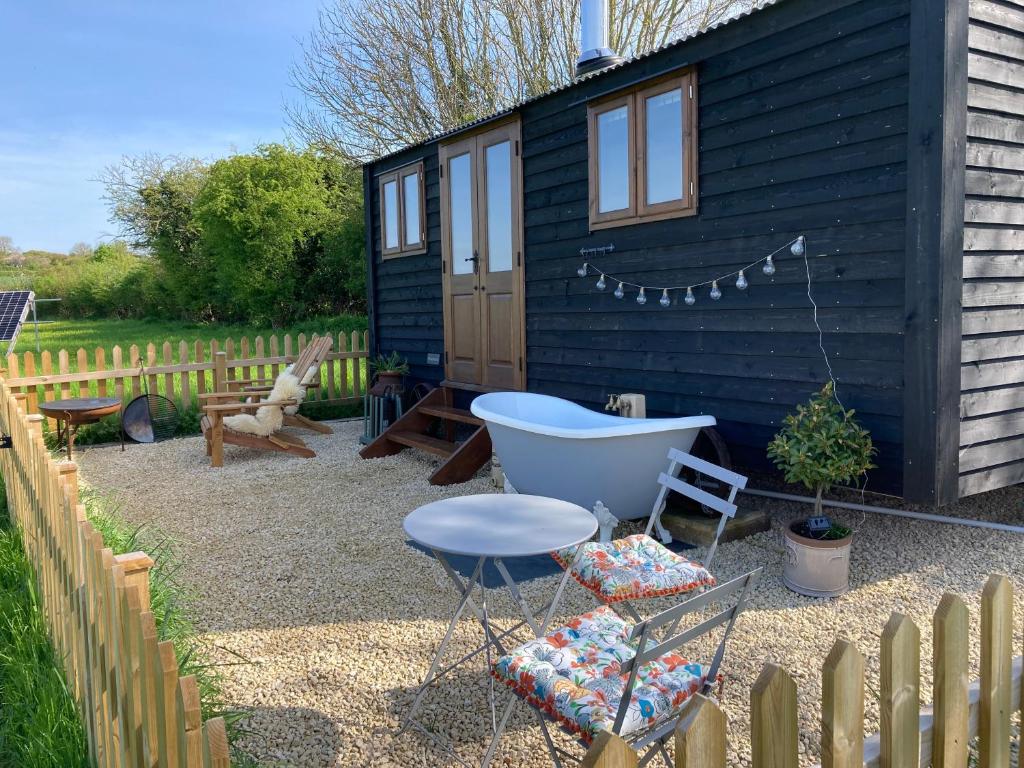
(820, 445)
(389, 370)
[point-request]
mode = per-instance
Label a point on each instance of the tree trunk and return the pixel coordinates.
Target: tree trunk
(817, 501)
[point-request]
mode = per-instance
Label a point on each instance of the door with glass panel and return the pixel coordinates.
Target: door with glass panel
(481, 221)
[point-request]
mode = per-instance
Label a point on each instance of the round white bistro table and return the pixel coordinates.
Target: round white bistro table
(493, 526)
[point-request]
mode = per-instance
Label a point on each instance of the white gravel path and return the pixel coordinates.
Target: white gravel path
(302, 569)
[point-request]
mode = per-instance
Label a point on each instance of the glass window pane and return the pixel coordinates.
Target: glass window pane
(499, 207)
(613, 160)
(390, 214)
(411, 194)
(664, 121)
(460, 195)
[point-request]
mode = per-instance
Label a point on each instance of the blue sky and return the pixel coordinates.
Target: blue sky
(87, 82)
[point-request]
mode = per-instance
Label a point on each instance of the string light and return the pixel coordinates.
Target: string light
(797, 247)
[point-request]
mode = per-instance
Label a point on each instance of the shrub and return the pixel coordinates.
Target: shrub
(822, 444)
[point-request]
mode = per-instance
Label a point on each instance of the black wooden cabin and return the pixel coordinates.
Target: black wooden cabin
(889, 132)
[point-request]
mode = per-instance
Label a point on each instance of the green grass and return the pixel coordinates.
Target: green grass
(89, 334)
(72, 335)
(39, 724)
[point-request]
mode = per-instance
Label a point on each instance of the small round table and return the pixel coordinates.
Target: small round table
(71, 414)
(492, 527)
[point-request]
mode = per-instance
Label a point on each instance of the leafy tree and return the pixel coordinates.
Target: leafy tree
(822, 444)
(386, 73)
(151, 199)
(9, 252)
(276, 228)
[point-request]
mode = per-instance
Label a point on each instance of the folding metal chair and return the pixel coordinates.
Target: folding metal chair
(602, 673)
(639, 567)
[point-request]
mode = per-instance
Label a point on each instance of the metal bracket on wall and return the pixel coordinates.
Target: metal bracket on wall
(599, 250)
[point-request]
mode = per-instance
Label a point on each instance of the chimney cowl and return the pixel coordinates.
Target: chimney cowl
(595, 53)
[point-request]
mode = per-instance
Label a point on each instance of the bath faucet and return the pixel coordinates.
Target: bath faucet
(612, 404)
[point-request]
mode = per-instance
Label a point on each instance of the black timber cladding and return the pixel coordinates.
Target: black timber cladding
(934, 245)
(803, 129)
(992, 350)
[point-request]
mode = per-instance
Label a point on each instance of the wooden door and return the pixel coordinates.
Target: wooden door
(481, 210)
(460, 263)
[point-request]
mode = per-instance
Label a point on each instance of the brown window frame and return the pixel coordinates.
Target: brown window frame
(635, 99)
(398, 176)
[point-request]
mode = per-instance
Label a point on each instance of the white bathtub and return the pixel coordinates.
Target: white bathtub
(553, 447)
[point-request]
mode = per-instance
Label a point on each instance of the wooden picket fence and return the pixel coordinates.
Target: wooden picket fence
(910, 736)
(183, 371)
(136, 707)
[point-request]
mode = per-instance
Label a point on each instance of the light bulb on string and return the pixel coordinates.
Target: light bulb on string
(690, 299)
(619, 293)
(641, 298)
(741, 281)
(665, 301)
(797, 248)
(601, 285)
(769, 266)
(582, 271)
(716, 292)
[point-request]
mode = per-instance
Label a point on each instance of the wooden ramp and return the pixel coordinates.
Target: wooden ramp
(413, 430)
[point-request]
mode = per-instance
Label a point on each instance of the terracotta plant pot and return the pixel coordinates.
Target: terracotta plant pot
(816, 567)
(388, 380)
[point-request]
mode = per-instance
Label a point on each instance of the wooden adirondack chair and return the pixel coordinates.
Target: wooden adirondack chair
(217, 405)
(306, 366)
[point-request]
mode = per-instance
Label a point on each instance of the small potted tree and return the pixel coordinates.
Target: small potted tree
(389, 371)
(820, 445)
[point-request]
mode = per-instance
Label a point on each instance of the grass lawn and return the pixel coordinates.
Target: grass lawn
(72, 335)
(89, 334)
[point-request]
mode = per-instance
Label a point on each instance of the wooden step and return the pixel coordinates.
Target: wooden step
(448, 413)
(464, 463)
(422, 442)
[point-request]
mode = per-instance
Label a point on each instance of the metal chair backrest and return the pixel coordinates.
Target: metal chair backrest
(669, 482)
(645, 633)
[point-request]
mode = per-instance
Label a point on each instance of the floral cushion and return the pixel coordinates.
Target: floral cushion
(633, 568)
(573, 675)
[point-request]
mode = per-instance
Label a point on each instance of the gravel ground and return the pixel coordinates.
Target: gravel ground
(302, 570)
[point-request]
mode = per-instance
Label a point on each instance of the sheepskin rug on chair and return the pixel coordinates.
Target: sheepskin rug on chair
(268, 419)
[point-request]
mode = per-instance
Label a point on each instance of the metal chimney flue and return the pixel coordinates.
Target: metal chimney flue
(595, 53)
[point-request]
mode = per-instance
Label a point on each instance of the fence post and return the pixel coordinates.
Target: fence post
(189, 724)
(901, 685)
(700, 736)
(215, 744)
(136, 567)
(842, 707)
(949, 743)
(996, 670)
(220, 371)
(773, 719)
(609, 751)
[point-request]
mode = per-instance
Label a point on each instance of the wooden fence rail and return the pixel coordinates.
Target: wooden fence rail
(184, 370)
(910, 736)
(138, 710)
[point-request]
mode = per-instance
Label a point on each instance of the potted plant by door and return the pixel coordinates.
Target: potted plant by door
(820, 445)
(389, 371)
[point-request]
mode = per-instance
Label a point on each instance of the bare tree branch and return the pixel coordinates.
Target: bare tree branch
(379, 75)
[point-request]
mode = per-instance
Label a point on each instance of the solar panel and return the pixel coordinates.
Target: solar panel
(14, 306)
